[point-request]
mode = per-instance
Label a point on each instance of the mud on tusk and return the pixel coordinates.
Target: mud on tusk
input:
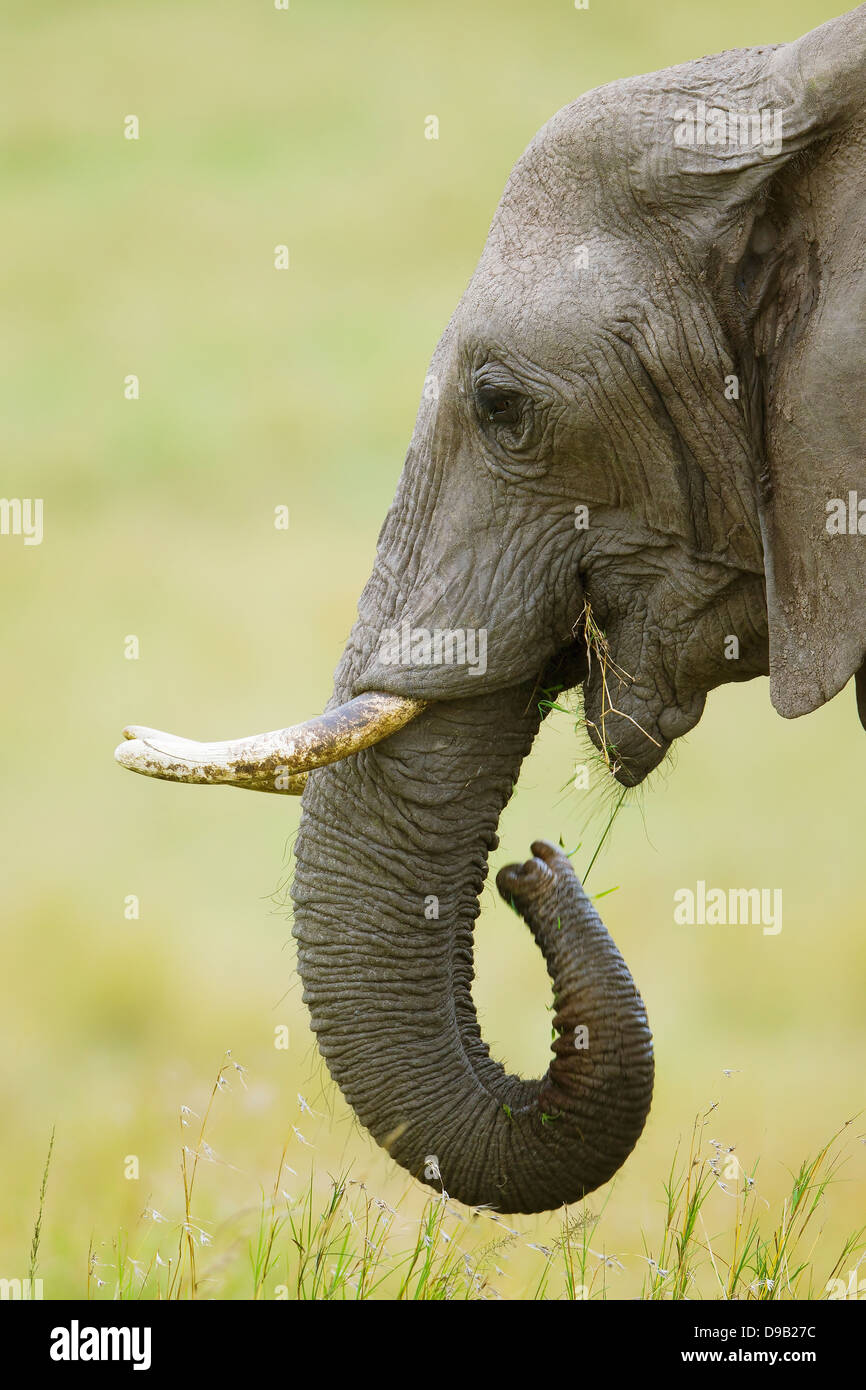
(273, 762)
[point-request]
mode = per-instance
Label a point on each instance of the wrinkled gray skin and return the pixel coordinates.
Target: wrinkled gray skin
(603, 386)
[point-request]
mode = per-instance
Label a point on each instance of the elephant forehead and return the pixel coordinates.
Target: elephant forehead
(547, 302)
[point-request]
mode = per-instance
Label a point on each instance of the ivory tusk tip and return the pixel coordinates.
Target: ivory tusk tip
(139, 754)
(128, 753)
(154, 753)
(144, 733)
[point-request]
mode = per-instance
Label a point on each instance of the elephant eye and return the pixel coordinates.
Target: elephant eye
(505, 412)
(510, 404)
(501, 407)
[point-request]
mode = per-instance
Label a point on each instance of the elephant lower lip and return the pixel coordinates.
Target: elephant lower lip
(673, 723)
(677, 721)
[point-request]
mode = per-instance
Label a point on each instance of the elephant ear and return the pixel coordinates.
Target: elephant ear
(778, 231)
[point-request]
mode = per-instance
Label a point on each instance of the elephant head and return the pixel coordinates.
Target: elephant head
(621, 474)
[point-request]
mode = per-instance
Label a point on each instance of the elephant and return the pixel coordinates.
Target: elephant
(637, 469)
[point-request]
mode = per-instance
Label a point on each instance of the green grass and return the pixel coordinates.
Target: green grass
(37, 1229)
(713, 1236)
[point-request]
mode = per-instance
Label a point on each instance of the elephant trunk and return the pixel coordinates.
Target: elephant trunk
(391, 858)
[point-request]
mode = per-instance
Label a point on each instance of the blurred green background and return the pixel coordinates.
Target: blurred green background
(260, 388)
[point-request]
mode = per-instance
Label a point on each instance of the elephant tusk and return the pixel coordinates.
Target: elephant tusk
(272, 762)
